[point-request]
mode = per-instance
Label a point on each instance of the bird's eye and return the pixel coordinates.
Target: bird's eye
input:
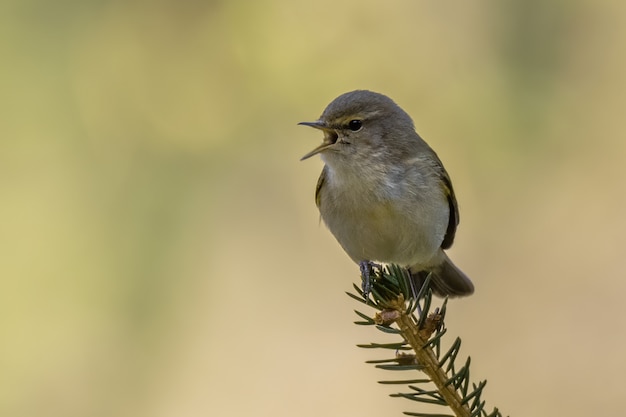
(355, 125)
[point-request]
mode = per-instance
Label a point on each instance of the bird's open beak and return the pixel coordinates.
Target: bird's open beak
(318, 124)
(328, 137)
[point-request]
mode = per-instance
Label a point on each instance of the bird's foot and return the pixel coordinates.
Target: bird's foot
(367, 267)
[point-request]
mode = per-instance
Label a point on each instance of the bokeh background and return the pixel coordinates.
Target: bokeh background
(160, 249)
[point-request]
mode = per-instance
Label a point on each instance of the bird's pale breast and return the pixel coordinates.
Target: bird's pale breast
(369, 227)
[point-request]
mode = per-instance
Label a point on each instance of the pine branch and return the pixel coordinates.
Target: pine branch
(421, 330)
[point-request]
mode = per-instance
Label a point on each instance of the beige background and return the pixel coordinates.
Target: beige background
(161, 253)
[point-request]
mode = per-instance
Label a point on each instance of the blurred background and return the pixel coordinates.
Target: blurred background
(160, 248)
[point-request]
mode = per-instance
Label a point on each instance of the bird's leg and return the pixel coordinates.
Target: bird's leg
(366, 277)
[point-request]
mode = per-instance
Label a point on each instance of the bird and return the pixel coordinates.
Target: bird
(384, 193)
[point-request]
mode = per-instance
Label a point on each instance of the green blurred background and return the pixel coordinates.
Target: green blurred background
(160, 248)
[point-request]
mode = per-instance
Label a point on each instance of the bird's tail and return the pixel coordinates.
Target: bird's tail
(446, 280)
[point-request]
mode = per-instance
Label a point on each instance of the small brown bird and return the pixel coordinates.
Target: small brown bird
(383, 193)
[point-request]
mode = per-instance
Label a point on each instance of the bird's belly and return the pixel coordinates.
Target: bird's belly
(381, 233)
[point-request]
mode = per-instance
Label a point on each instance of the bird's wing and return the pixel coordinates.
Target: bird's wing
(453, 221)
(318, 187)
